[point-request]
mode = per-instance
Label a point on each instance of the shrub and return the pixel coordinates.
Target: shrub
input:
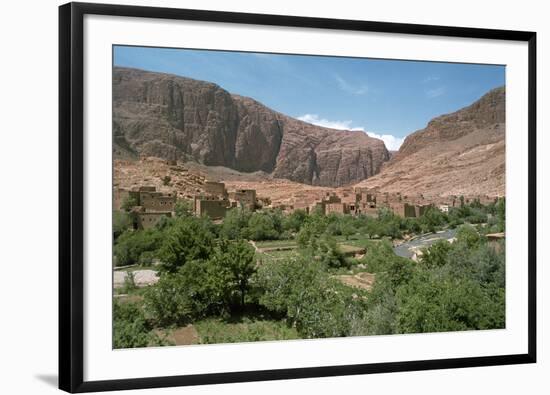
(235, 224)
(431, 303)
(264, 226)
(130, 328)
(436, 255)
(132, 244)
(183, 208)
(314, 303)
(122, 222)
(128, 203)
(294, 221)
(468, 235)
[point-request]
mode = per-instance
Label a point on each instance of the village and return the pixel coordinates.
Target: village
(149, 205)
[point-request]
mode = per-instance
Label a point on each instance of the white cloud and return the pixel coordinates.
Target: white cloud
(392, 142)
(436, 92)
(350, 88)
(431, 78)
(316, 120)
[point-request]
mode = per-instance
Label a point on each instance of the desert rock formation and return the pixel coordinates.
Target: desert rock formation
(462, 153)
(178, 118)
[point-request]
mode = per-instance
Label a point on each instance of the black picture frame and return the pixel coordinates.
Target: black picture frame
(71, 205)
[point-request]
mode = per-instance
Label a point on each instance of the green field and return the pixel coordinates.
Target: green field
(356, 240)
(276, 244)
(216, 330)
(275, 256)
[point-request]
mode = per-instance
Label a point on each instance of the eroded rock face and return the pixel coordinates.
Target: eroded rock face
(462, 153)
(179, 118)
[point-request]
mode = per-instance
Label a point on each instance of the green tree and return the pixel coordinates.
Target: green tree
(122, 221)
(432, 219)
(238, 259)
(264, 226)
(168, 302)
(468, 235)
(501, 213)
(235, 224)
(187, 239)
(130, 245)
(295, 220)
(431, 303)
(436, 255)
(128, 203)
(313, 302)
(130, 328)
(183, 208)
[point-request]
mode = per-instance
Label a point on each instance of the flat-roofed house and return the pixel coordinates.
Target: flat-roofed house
(244, 198)
(210, 206)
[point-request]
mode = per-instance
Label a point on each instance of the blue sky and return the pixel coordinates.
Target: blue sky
(388, 99)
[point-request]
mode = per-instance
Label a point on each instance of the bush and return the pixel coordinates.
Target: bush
(432, 219)
(264, 226)
(130, 328)
(329, 253)
(235, 224)
(314, 303)
(431, 303)
(183, 208)
(132, 244)
(122, 222)
(294, 221)
(436, 255)
(128, 203)
(468, 235)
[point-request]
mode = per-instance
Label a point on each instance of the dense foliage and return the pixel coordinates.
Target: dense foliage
(210, 274)
(313, 302)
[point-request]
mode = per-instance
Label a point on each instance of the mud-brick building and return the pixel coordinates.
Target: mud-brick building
(213, 188)
(157, 201)
(244, 198)
(404, 210)
(407, 210)
(146, 197)
(148, 219)
(210, 206)
(336, 208)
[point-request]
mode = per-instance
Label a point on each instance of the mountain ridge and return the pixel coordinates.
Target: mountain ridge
(460, 153)
(179, 118)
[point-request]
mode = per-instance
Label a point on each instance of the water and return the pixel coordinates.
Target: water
(423, 241)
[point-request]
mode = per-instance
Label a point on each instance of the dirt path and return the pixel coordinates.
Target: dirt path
(362, 280)
(182, 336)
(142, 278)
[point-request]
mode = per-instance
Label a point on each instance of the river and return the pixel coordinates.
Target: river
(426, 240)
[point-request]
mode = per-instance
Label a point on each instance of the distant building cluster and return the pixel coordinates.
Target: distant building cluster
(216, 200)
(369, 202)
(147, 204)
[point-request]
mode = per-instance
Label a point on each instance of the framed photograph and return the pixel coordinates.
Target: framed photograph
(250, 197)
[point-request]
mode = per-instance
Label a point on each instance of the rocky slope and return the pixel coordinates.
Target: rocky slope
(178, 118)
(462, 153)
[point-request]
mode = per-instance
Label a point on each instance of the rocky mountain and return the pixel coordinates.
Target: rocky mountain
(178, 118)
(462, 153)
